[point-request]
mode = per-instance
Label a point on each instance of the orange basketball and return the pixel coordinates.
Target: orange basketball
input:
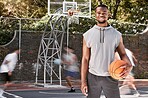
(115, 69)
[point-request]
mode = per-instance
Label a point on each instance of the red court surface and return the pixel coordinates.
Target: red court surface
(33, 86)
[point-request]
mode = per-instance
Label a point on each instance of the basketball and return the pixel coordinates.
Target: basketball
(115, 69)
(57, 61)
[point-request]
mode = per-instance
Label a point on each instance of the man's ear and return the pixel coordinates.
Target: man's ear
(109, 15)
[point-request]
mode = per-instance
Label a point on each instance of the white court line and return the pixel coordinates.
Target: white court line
(15, 96)
(122, 96)
(143, 91)
(61, 93)
(128, 96)
(144, 95)
(102, 96)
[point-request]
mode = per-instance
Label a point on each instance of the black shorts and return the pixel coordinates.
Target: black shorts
(5, 77)
(75, 75)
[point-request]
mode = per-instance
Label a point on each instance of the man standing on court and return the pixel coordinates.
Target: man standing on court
(99, 46)
(8, 66)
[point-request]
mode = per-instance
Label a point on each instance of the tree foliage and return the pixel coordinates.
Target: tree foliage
(132, 11)
(128, 10)
(128, 16)
(24, 8)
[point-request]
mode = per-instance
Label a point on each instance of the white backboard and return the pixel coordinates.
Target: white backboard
(82, 8)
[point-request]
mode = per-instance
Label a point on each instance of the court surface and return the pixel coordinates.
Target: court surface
(59, 92)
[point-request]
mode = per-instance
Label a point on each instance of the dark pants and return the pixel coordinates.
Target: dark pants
(97, 84)
(5, 77)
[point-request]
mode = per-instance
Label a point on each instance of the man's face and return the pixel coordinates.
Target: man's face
(18, 51)
(101, 14)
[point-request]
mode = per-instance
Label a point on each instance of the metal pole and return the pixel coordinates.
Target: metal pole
(20, 36)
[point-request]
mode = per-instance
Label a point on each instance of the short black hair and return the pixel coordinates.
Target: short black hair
(102, 5)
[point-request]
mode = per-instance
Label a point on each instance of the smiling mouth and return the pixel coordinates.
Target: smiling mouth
(101, 19)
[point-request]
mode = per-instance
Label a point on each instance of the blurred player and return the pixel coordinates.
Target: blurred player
(6, 69)
(129, 80)
(69, 59)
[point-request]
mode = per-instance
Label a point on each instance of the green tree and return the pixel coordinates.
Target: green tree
(134, 11)
(24, 8)
(1, 8)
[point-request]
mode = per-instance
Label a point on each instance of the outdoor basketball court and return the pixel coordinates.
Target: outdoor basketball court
(57, 8)
(61, 92)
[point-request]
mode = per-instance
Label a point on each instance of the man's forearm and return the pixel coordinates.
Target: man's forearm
(83, 77)
(126, 59)
(84, 72)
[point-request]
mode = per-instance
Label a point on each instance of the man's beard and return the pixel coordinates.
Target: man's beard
(101, 22)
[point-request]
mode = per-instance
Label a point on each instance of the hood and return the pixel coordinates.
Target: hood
(102, 30)
(108, 27)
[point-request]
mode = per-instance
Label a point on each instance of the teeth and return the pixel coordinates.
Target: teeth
(101, 19)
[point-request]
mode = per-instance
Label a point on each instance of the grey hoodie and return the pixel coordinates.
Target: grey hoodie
(103, 41)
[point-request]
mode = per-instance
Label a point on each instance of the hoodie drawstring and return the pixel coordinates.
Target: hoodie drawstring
(102, 36)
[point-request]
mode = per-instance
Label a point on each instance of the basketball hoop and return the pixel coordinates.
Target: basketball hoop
(78, 8)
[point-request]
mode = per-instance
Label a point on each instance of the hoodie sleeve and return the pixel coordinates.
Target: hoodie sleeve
(87, 39)
(118, 37)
